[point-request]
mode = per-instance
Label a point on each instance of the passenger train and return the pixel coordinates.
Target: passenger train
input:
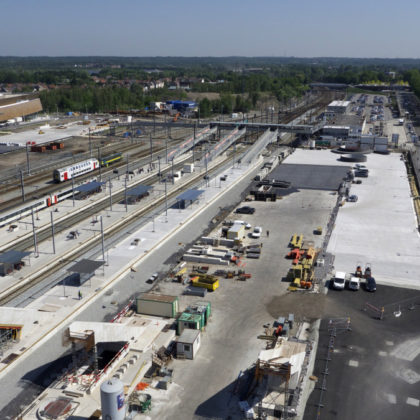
(75, 170)
(42, 203)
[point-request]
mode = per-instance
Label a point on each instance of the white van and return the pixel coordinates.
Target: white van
(339, 280)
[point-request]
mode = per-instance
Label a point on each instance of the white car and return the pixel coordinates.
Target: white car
(354, 283)
(256, 232)
(339, 280)
(241, 222)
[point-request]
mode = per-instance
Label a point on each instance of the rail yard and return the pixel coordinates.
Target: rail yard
(192, 275)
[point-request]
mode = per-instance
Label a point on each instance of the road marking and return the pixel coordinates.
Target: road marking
(353, 363)
(382, 353)
(392, 399)
(413, 401)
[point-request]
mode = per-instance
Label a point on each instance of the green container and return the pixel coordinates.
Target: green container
(188, 320)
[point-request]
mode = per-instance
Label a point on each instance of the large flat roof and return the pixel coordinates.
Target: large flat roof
(85, 266)
(190, 195)
(20, 109)
(157, 298)
(13, 256)
(381, 228)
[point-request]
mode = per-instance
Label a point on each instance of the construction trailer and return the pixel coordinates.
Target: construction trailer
(200, 308)
(188, 344)
(189, 321)
(237, 231)
(157, 305)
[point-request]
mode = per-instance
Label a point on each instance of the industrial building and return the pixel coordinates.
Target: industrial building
(337, 107)
(17, 111)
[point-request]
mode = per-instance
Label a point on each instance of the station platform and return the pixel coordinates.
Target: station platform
(59, 305)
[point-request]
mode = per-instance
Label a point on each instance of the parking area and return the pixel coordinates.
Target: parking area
(373, 369)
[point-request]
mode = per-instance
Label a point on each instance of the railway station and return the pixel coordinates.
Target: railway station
(170, 244)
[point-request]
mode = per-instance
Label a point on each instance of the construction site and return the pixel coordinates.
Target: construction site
(224, 303)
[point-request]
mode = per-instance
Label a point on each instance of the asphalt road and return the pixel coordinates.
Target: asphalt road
(374, 369)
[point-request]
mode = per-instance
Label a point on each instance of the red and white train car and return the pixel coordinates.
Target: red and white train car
(75, 170)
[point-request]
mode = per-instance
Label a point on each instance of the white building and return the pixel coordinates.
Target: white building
(188, 343)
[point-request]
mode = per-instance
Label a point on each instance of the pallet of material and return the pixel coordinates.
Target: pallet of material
(253, 255)
(38, 149)
(195, 291)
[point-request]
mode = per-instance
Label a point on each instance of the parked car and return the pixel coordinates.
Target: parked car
(241, 222)
(352, 198)
(370, 284)
(339, 280)
(256, 232)
(152, 278)
(354, 283)
(245, 210)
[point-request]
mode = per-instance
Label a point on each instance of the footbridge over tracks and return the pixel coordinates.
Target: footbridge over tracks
(223, 144)
(304, 129)
(190, 142)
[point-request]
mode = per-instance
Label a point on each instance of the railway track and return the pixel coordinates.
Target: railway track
(44, 173)
(106, 173)
(13, 293)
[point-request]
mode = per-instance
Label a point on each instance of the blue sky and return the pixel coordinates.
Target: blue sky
(307, 28)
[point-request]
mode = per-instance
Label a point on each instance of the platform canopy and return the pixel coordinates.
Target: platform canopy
(13, 256)
(139, 190)
(85, 266)
(190, 195)
(89, 187)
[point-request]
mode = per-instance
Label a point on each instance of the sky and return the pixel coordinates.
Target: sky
(306, 28)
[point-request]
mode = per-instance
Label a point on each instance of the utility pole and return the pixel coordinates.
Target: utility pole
(166, 149)
(151, 150)
(159, 168)
(173, 179)
(125, 195)
(205, 157)
(72, 189)
(110, 194)
(34, 233)
(90, 144)
(166, 200)
(28, 167)
(100, 165)
(102, 239)
(52, 231)
(22, 186)
(126, 170)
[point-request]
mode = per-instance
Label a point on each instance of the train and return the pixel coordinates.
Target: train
(42, 203)
(75, 170)
(84, 167)
(108, 160)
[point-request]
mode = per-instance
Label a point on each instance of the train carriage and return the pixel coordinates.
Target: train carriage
(75, 170)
